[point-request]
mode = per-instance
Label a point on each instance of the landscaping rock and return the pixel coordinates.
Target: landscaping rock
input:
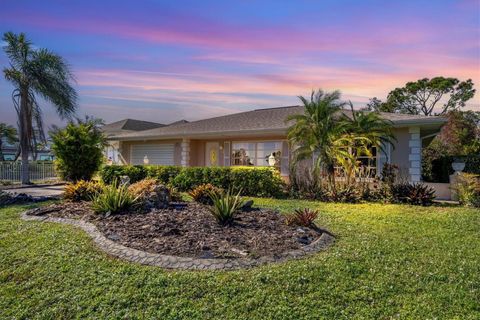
(159, 197)
(17, 198)
(247, 206)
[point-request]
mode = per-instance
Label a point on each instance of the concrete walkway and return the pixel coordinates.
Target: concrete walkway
(39, 190)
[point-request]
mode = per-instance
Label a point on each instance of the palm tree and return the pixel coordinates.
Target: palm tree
(9, 133)
(335, 138)
(315, 131)
(36, 72)
(366, 130)
(372, 126)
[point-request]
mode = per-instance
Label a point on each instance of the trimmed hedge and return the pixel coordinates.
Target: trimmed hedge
(139, 172)
(259, 181)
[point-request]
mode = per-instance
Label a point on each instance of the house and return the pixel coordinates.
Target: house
(258, 138)
(120, 127)
(10, 152)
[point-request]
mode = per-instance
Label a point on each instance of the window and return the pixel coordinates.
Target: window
(259, 154)
(46, 158)
(368, 165)
(9, 157)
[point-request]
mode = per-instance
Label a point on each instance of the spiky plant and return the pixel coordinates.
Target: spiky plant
(302, 217)
(224, 206)
(113, 199)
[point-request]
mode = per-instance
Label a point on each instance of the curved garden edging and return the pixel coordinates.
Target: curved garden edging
(175, 262)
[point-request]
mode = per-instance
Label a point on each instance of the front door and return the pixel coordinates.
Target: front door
(212, 150)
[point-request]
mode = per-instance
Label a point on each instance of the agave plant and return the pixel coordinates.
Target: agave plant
(113, 199)
(225, 205)
(303, 217)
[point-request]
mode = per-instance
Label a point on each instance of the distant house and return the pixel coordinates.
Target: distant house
(10, 152)
(257, 138)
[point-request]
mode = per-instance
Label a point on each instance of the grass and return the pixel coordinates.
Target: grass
(390, 261)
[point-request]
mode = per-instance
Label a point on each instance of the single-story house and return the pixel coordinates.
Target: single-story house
(124, 126)
(258, 138)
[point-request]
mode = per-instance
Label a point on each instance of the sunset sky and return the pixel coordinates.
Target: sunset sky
(168, 60)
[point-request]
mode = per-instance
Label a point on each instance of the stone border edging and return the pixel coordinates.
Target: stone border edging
(175, 262)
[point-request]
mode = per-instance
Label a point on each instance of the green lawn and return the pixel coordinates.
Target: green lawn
(390, 261)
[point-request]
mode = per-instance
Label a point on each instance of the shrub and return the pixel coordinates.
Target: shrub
(305, 183)
(389, 173)
(346, 193)
(142, 188)
(202, 194)
(413, 193)
(113, 199)
(163, 174)
(78, 150)
(261, 182)
(224, 206)
(192, 177)
(81, 190)
(175, 196)
(113, 172)
(468, 189)
(303, 218)
(257, 182)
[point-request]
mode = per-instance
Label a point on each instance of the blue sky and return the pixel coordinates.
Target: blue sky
(163, 61)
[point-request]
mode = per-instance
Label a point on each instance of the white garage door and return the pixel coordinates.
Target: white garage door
(152, 154)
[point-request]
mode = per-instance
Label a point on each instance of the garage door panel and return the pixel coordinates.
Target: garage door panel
(155, 153)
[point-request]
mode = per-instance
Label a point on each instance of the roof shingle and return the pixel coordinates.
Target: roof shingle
(272, 119)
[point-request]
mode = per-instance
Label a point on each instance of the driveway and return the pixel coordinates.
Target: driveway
(39, 190)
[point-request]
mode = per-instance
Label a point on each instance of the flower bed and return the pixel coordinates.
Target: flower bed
(189, 231)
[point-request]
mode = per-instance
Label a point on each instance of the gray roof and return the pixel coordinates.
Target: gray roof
(270, 120)
(129, 125)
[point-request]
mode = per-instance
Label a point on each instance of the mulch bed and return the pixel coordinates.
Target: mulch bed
(189, 230)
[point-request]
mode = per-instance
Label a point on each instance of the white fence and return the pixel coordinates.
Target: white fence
(11, 171)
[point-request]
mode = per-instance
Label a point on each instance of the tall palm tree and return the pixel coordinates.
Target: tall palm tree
(315, 131)
(36, 72)
(333, 136)
(7, 133)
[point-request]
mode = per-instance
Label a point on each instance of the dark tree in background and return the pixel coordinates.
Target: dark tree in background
(436, 96)
(459, 138)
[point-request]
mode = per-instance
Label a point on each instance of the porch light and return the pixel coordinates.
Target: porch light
(145, 160)
(271, 160)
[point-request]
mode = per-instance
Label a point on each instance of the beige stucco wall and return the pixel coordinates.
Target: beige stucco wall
(399, 154)
(443, 191)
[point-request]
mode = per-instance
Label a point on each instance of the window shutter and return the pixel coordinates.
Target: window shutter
(226, 154)
(285, 159)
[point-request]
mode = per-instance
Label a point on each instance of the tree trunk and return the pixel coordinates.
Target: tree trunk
(24, 134)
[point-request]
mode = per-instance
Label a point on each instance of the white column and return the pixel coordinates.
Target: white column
(415, 156)
(185, 154)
